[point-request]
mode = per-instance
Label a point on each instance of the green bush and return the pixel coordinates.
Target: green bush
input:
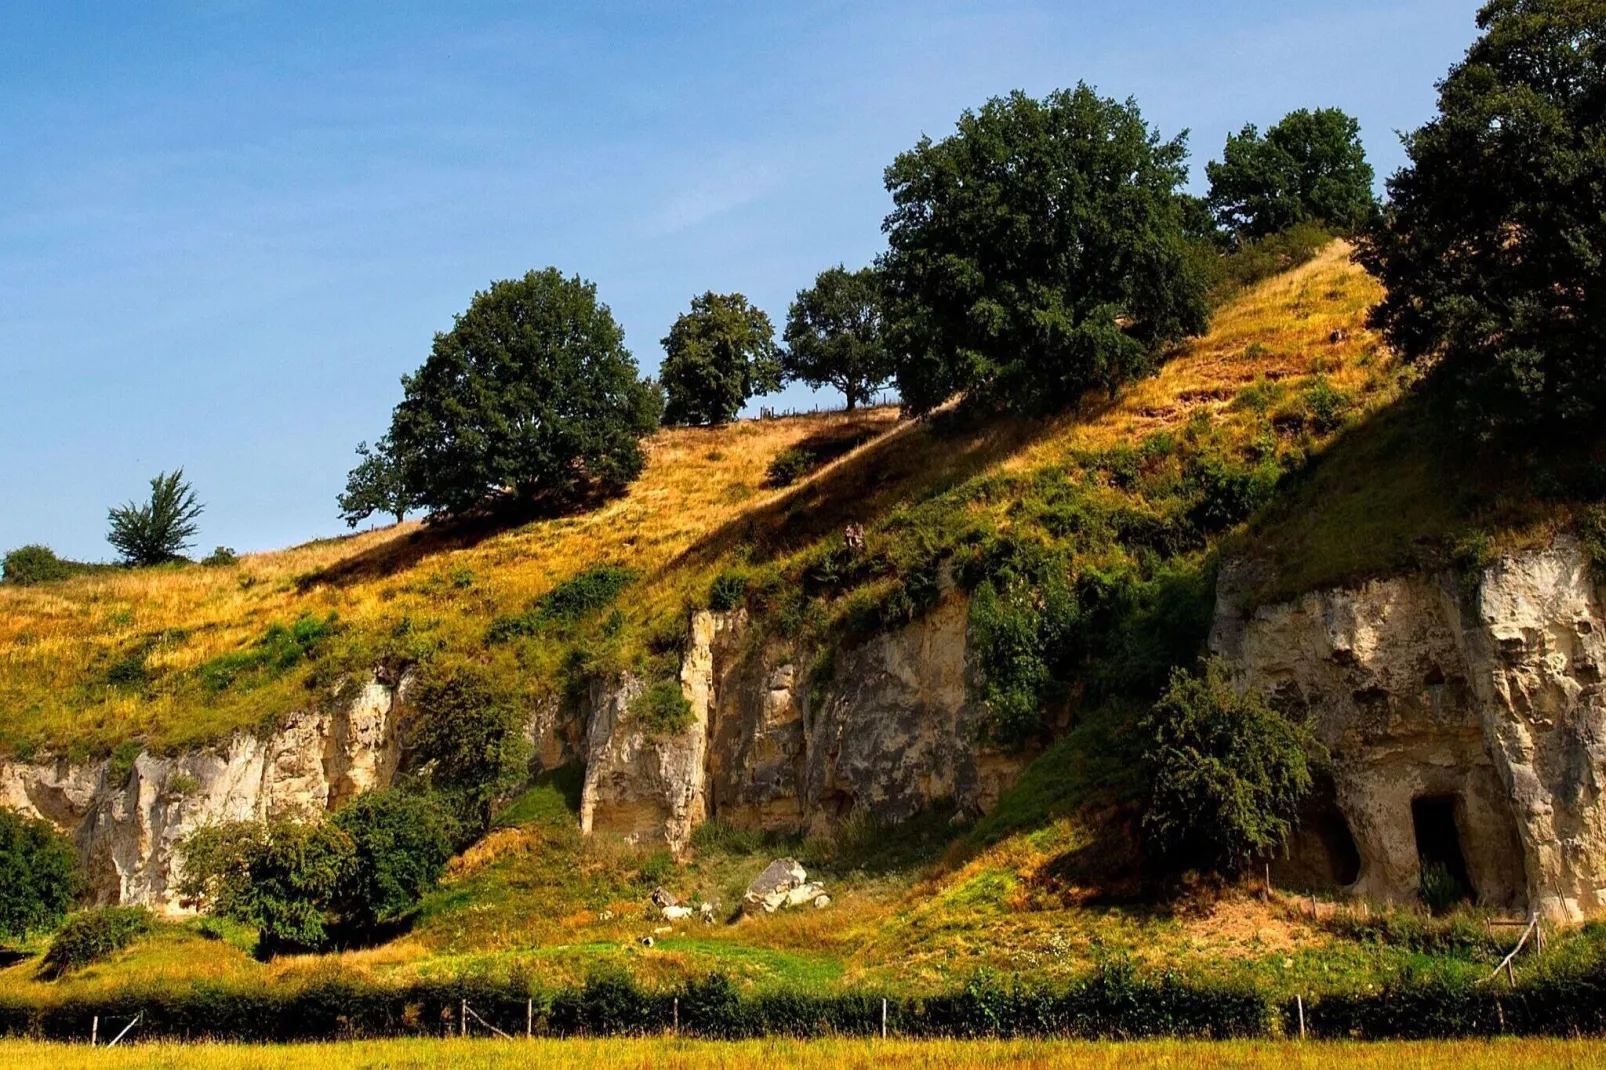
(789, 466)
(1327, 406)
(402, 843)
(1592, 534)
(39, 875)
(567, 604)
(28, 565)
(662, 709)
(1226, 774)
(95, 935)
(221, 557)
(279, 650)
(727, 592)
(470, 733)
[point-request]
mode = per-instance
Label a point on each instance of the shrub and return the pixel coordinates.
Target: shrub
(789, 466)
(402, 842)
(1592, 534)
(39, 875)
(567, 604)
(982, 299)
(532, 394)
(662, 709)
(471, 734)
(727, 591)
(1326, 406)
(280, 649)
(28, 565)
(222, 557)
(1439, 889)
(160, 530)
(1226, 774)
(95, 935)
(284, 877)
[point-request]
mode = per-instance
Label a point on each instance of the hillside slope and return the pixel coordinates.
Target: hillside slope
(184, 655)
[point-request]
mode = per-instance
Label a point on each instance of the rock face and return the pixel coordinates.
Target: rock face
(889, 732)
(127, 832)
(1467, 725)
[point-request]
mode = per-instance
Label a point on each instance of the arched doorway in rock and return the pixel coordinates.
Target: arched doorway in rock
(1322, 854)
(1436, 820)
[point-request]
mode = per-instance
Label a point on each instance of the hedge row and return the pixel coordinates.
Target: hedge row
(1111, 1005)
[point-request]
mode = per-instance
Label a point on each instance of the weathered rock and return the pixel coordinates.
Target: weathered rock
(773, 889)
(891, 733)
(1472, 724)
(128, 832)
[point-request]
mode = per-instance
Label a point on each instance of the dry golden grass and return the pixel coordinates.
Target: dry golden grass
(664, 1054)
(701, 501)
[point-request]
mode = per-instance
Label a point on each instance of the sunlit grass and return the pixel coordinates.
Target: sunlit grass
(666, 1054)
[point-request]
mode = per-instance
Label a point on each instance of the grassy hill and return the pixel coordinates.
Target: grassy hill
(1282, 432)
(181, 655)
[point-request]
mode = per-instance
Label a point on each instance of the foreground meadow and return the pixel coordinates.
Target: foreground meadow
(805, 1055)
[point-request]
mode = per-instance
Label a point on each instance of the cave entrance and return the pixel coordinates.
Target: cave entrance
(1444, 879)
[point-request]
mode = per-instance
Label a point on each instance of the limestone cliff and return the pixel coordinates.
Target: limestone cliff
(885, 734)
(127, 830)
(1465, 717)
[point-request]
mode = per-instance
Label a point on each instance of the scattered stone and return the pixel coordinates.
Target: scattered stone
(707, 912)
(1338, 336)
(676, 913)
(822, 901)
(784, 883)
(853, 536)
(663, 898)
(663, 930)
(646, 941)
(604, 915)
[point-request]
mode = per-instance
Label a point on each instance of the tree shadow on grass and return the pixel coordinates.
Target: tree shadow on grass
(913, 461)
(438, 535)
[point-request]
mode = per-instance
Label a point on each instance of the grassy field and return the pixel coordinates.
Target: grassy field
(800, 1055)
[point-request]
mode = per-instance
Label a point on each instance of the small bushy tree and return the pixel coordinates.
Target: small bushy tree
(1491, 253)
(92, 936)
(1310, 167)
(470, 735)
(1038, 252)
(717, 356)
(39, 875)
(402, 843)
(835, 335)
(531, 395)
(307, 883)
(160, 530)
(1226, 774)
(28, 565)
(378, 484)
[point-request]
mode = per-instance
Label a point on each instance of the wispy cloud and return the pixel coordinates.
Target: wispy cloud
(713, 189)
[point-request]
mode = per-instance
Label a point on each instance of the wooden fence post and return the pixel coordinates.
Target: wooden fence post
(1299, 1001)
(462, 1018)
(529, 1018)
(94, 1031)
(677, 1016)
(883, 1018)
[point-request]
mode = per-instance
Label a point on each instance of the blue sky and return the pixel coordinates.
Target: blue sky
(227, 229)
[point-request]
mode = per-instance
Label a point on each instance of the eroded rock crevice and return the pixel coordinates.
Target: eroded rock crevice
(1469, 732)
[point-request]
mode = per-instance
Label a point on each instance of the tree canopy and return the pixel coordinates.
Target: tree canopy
(531, 395)
(1037, 252)
(1492, 250)
(717, 356)
(378, 484)
(1310, 167)
(835, 335)
(162, 528)
(39, 877)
